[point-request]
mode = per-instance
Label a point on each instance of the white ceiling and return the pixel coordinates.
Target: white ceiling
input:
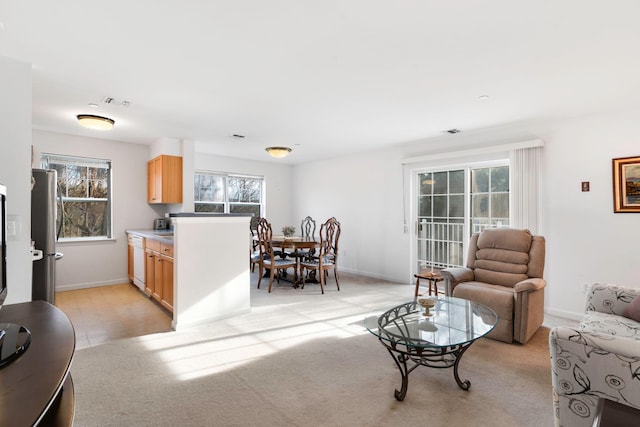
(323, 77)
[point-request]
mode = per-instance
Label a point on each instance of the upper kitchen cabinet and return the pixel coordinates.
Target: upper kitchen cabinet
(164, 179)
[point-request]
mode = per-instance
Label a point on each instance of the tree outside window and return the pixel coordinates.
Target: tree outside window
(489, 198)
(84, 190)
(223, 193)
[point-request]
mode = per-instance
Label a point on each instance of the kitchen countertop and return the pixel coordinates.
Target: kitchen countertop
(165, 236)
(206, 214)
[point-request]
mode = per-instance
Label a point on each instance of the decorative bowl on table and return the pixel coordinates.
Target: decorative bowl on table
(288, 230)
(427, 303)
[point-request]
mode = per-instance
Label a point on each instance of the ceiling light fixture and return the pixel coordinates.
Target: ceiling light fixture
(95, 122)
(278, 152)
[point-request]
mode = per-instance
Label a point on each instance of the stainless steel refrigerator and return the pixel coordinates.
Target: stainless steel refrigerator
(43, 234)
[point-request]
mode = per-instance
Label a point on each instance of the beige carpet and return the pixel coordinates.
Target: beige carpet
(304, 359)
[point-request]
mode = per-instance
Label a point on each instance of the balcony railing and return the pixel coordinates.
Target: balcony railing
(441, 244)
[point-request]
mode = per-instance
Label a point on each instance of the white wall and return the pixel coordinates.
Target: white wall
(103, 263)
(586, 241)
(364, 193)
(278, 181)
(15, 171)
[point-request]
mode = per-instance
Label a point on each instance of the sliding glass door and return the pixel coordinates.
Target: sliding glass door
(451, 205)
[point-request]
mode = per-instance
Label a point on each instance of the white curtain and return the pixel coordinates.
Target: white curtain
(525, 188)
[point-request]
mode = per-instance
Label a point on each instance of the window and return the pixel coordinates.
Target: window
(223, 193)
(449, 201)
(84, 202)
(489, 198)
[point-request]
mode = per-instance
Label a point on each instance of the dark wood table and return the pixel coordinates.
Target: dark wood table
(36, 388)
(296, 243)
(433, 277)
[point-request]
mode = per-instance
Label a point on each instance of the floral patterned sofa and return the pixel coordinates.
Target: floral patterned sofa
(601, 358)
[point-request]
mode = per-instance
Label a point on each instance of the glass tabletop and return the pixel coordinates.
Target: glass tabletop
(453, 321)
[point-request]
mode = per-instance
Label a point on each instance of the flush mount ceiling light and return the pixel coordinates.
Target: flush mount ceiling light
(95, 122)
(278, 152)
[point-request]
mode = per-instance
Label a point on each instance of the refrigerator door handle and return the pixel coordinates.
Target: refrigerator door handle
(36, 254)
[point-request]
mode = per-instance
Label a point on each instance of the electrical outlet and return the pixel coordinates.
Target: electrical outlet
(585, 288)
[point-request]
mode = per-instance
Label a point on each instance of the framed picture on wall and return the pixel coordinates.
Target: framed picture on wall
(626, 184)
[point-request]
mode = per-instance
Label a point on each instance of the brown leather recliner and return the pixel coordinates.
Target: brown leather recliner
(504, 272)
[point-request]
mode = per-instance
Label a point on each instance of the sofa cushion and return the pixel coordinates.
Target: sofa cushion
(632, 311)
(605, 323)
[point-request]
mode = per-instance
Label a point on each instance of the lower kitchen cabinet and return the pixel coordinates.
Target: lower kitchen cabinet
(159, 273)
(167, 282)
(150, 272)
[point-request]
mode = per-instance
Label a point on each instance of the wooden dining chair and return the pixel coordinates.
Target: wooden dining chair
(254, 251)
(327, 257)
(308, 227)
(269, 259)
(307, 231)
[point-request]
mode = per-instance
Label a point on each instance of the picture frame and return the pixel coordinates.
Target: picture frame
(626, 184)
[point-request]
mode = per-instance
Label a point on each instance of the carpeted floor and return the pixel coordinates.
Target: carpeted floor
(304, 359)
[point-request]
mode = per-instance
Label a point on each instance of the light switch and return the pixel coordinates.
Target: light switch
(14, 226)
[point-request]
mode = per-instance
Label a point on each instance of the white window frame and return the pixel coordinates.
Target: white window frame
(47, 159)
(226, 202)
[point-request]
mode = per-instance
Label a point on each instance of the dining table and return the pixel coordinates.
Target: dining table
(297, 243)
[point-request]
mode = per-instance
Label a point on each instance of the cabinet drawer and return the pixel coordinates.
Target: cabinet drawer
(153, 244)
(166, 249)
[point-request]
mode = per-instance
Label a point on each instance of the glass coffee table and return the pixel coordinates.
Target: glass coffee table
(437, 340)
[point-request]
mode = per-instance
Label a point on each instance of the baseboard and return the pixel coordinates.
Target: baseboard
(75, 286)
(564, 314)
(373, 276)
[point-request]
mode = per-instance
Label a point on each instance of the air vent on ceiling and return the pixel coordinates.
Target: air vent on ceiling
(117, 102)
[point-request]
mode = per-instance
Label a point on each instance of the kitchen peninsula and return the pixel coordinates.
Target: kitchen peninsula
(210, 266)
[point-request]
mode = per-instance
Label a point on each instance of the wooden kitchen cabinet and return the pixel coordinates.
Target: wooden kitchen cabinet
(158, 277)
(164, 179)
(159, 272)
(149, 268)
(167, 282)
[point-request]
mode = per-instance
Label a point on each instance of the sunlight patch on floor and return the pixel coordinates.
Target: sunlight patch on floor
(205, 351)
